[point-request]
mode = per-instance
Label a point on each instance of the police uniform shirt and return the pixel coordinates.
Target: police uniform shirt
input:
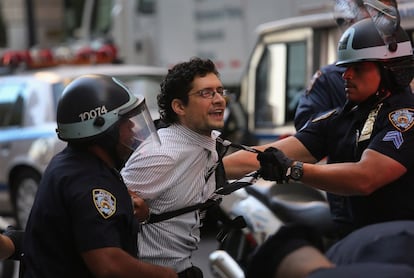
(363, 270)
(386, 242)
(325, 91)
(384, 126)
(81, 205)
(378, 250)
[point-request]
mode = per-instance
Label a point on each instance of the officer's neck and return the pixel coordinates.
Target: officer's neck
(374, 99)
(103, 155)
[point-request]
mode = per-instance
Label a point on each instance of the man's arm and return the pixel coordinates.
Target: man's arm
(373, 171)
(114, 262)
(302, 262)
(294, 251)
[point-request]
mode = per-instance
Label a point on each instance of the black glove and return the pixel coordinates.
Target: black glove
(267, 257)
(17, 237)
(274, 165)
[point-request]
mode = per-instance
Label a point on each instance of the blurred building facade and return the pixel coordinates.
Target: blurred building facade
(27, 23)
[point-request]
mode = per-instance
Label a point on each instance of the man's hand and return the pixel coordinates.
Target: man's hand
(274, 165)
(141, 210)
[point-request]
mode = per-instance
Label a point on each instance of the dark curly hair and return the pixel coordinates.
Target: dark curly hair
(179, 82)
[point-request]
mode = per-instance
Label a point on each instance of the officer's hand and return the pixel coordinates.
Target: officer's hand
(141, 210)
(274, 165)
(12, 247)
(267, 257)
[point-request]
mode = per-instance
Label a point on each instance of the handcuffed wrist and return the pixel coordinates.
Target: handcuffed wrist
(146, 220)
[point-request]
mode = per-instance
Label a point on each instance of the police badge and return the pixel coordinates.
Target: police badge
(105, 202)
(402, 119)
(369, 123)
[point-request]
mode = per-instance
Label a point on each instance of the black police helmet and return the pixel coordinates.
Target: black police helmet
(362, 42)
(91, 105)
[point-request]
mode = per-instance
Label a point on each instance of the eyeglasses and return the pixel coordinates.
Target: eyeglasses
(210, 93)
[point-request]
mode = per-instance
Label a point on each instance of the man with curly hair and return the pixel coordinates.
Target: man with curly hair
(181, 172)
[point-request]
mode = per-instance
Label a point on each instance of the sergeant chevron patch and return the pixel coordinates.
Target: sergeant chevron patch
(395, 137)
(105, 202)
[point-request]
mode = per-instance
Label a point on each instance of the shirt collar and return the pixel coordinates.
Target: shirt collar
(207, 142)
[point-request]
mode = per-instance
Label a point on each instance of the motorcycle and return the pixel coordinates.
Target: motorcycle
(252, 209)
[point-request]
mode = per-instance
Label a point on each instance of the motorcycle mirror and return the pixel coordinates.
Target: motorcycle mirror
(386, 18)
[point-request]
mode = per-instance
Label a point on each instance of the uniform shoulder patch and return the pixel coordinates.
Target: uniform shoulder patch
(402, 119)
(104, 202)
(324, 116)
(315, 76)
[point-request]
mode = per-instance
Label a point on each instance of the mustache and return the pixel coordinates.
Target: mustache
(349, 84)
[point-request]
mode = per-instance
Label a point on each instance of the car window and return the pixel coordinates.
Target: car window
(57, 89)
(11, 104)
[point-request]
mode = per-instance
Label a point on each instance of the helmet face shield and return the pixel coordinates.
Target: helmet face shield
(386, 19)
(347, 12)
(143, 128)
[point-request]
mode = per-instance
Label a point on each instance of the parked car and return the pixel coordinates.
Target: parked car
(27, 124)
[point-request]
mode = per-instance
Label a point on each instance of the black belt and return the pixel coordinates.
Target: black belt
(154, 218)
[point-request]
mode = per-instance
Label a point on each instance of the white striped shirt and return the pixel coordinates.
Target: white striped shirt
(171, 177)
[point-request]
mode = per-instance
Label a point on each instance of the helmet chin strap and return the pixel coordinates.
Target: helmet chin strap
(386, 80)
(109, 141)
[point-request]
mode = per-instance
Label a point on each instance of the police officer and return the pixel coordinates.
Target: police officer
(326, 89)
(368, 143)
(82, 222)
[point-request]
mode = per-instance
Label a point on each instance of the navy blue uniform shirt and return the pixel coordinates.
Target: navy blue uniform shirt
(81, 205)
(364, 270)
(384, 126)
(387, 242)
(325, 91)
(378, 250)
